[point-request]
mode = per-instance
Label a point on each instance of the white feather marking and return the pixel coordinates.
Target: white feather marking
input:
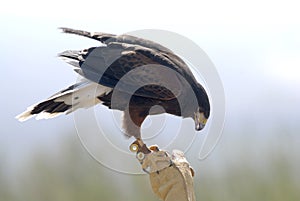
(84, 95)
(25, 115)
(47, 115)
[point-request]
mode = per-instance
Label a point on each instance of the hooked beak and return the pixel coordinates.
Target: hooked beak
(200, 121)
(199, 126)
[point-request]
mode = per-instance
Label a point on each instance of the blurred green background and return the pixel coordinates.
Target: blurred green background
(68, 173)
(255, 46)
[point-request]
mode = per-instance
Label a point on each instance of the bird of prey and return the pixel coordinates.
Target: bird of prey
(134, 75)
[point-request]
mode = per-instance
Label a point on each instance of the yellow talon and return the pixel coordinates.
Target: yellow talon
(134, 147)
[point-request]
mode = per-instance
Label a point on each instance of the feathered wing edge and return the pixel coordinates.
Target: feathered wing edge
(99, 36)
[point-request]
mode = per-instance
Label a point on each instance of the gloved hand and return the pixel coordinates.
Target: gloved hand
(171, 177)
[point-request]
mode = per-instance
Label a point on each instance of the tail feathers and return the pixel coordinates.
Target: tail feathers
(80, 95)
(44, 110)
(102, 37)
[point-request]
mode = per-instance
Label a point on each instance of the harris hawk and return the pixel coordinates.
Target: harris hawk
(134, 75)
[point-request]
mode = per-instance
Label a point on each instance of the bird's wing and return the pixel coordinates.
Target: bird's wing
(130, 68)
(143, 44)
(107, 38)
(133, 49)
(99, 36)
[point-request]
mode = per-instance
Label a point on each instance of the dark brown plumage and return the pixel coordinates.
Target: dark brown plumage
(134, 75)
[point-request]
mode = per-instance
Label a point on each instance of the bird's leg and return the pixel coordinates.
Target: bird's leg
(132, 127)
(132, 122)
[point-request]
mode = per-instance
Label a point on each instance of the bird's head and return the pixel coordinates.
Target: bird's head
(200, 118)
(202, 111)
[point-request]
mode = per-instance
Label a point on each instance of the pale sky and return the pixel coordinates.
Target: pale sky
(155, 12)
(255, 46)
